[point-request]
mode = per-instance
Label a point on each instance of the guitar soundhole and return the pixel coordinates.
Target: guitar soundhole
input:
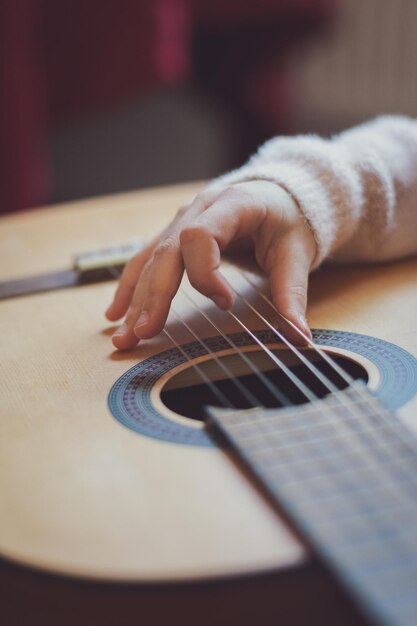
(187, 395)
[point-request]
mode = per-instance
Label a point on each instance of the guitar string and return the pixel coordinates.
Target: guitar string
(326, 382)
(249, 397)
(284, 459)
(324, 426)
(340, 371)
(314, 493)
(361, 533)
(279, 396)
(315, 401)
(318, 374)
(398, 540)
(277, 393)
(268, 418)
(296, 381)
(331, 477)
(307, 393)
(345, 376)
(239, 351)
(345, 432)
(225, 401)
(272, 455)
(341, 426)
(222, 399)
(214, 389)
(313, 488)
(354, 410)
(330, 387)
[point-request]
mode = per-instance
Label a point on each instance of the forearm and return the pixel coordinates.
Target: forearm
(357, 190)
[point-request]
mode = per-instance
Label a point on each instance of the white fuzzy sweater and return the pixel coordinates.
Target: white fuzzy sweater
(357, 190)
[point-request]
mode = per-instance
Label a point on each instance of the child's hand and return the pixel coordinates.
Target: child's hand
(258, 212)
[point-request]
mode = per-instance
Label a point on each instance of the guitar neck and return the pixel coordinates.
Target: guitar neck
(344, 470)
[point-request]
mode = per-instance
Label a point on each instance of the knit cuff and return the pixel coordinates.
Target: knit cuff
(315, 174)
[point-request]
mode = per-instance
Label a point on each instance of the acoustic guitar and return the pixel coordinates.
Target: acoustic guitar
(119, 503)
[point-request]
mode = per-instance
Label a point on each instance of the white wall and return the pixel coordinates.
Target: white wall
(365, 65)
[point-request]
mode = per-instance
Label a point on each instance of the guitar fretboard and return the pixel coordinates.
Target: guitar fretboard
(344, 470)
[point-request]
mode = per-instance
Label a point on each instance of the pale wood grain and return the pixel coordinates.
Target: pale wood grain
(81, 494)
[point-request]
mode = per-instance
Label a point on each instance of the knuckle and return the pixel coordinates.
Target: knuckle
(147, 269)
(292, 296)
(128, 278)
(288, 296)
(165, 246)
(206, 196)
(199, 203)
(182, 211)
(238, 192)
(297, 290)
(191, 232)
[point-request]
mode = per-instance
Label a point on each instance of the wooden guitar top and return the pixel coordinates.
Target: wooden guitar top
(83, 495)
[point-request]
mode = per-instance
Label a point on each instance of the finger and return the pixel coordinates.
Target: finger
(153, 294)
(232, 217)
(201, 255)
(289, 284)
(127, 283)
(124, 338)
(163, 274)
(132, 271)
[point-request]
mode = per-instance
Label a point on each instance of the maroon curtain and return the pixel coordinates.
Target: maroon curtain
(59, 60)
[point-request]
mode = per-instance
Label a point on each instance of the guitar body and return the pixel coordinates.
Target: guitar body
(109, 520)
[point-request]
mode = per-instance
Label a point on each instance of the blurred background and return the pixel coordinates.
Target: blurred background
(102, 96)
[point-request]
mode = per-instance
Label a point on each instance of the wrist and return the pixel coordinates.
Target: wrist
(295, 221)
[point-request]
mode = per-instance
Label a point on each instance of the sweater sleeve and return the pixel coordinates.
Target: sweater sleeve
(357, 190)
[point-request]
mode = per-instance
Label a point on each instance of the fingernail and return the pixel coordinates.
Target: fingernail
(304, 325)
(143, 319)
(221, 301)
(120, 331)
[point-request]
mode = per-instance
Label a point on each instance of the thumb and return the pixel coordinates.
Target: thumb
(289, 284)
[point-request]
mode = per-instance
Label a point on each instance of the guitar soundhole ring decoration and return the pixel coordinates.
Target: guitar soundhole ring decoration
(130, 398)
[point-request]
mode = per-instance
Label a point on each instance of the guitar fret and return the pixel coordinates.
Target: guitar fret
(402, 513)
(315, 462)
(380, 456)
(385, 570)
(254, 432)
(365, 540)
(318, 457)
(349, 483)
(318, 430)
(313, 497)
(339, 519)
(289, 442)
(299, 423)
(316, 484)
(338, 500)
